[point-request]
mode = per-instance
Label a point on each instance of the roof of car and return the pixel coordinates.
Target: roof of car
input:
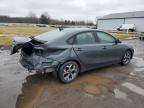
(68, 32)
(74, 30)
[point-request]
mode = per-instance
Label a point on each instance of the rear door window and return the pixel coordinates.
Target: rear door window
(85, 38)
(51, 36)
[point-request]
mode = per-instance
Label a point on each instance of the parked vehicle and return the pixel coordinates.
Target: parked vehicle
(41, 25)
(127, 27)
(141, 36)
(67, 52)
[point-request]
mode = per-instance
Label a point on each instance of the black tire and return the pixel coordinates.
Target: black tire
(126, 58)
(68, 71)
(131, 30)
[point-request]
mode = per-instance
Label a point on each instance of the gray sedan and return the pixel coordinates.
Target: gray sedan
(67, 52)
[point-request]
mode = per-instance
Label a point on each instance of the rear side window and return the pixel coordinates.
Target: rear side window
(85, 38)
(105, 38)
(51, 36)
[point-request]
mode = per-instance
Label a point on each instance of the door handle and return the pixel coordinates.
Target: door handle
(104, 47)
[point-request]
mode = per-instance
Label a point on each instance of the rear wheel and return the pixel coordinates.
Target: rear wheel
(126, 58)
(68, 71)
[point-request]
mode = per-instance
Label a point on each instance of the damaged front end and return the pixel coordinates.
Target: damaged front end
(34, 54)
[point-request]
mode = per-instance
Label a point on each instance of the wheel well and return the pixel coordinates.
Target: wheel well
(73, 61)
(131, 52)
(76, 62)
(55, 73)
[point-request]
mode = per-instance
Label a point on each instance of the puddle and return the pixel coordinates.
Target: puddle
(11, 77)
(98, 85)
(119, 94)
(35, 85)
(139, 70)
(139, 67)
(32, 89)
(92, 89)
(139, 62)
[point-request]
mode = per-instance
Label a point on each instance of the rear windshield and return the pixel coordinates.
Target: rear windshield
(50, 36)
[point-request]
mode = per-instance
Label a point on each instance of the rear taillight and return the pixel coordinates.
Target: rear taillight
(39, 51)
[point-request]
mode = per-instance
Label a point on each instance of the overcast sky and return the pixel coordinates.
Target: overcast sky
(69, 9)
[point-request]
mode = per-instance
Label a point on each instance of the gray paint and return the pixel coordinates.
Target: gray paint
(89, 56)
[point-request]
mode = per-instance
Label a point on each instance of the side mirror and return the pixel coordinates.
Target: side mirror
(117, 41)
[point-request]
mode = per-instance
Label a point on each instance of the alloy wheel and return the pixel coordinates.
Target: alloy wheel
(70, 72)
(127, 57)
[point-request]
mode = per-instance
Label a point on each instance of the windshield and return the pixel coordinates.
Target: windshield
(50, 36)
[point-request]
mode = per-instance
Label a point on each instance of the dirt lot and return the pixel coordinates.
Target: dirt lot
(109, 87)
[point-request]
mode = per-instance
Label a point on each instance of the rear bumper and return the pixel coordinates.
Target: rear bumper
(38, 63)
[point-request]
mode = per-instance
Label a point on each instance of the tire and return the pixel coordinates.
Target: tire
(126, 58)
(131, 30)
(68, 71)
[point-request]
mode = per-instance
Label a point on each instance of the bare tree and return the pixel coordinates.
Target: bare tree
(32, 17)
(45, 18)
(32, 14)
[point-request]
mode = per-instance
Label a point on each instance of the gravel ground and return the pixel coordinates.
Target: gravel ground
(114, 86)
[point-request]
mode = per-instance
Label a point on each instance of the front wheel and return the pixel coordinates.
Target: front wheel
(126, 58)
(68, 71)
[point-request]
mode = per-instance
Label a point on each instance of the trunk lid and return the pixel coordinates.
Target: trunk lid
(20, 42)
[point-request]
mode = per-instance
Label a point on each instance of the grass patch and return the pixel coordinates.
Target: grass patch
(5, 41)
(24, 30)
(123, 35)
(6, 32)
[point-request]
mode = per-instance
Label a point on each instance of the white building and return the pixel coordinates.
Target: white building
(113, 21)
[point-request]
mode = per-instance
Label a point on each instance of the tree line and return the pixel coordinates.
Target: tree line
(43, 19)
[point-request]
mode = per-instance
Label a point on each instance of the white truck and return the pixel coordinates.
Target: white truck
(127, 27)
